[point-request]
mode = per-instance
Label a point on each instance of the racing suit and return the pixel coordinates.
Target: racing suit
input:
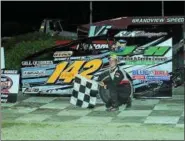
(114, 80)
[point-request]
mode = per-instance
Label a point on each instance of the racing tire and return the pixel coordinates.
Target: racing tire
(105, 95)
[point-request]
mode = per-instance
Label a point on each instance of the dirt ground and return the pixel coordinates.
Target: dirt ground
(77, 131)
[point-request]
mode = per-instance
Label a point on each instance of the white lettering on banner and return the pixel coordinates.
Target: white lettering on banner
(3, 100)
(176, 20)
(4, 95)
(9, 72)
(157, 20)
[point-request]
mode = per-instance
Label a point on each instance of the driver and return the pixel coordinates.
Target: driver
(113, 82)
(119, 46)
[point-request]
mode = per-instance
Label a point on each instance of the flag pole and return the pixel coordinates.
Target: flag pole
(162, 10)
(90, 12)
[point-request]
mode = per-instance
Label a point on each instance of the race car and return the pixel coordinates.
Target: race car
(53, 70)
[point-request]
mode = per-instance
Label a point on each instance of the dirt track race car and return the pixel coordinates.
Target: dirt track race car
(53, 70)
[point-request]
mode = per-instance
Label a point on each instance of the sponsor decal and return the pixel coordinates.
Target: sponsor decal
(140, 34)
(149, 51)
(148, 72)
(99, 46)
(142, 60)
(61, 54)
(36, 63)
(66, 73)
(150, 75)
(6, 84)
(34, 73)
(32, 90)
(152, 81)
(9, 72)
(98, 30)
(140, 77)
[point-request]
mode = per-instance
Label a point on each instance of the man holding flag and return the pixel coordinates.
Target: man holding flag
(113, 81)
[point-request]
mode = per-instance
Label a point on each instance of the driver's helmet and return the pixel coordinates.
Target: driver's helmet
(119, 46)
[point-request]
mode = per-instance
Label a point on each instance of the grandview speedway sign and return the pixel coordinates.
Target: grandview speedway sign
(158, 20)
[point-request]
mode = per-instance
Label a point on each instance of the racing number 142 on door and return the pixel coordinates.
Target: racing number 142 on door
(69, 73)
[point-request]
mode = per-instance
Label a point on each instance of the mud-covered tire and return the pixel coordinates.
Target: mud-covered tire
(104, 94)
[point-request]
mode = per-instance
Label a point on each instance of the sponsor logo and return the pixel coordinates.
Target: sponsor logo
(159, 82)
(6, 83)
(140, 34)
(36, 63)
(32, 90)
(158, 77)
(99, 46)
(9, 71)
(149, 51)
(152, 72)
(142, 60)
(60, 54)
(150, 75)
(140, 77)
(34, 73)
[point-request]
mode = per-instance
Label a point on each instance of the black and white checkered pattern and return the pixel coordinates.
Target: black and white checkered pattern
(84, 92)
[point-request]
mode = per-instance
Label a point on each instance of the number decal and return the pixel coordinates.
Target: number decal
(68, 74)
(91, 67)
(156, 51)
(59, 68)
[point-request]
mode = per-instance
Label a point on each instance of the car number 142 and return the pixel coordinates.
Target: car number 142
(68, 73)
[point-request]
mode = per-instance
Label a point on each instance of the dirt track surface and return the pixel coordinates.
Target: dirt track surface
(70, 131)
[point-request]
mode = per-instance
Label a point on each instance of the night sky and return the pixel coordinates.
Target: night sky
(77, 12)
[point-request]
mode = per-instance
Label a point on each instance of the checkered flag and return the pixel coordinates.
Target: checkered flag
(84, 92)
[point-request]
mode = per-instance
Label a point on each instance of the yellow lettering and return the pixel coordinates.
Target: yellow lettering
(91, 66)
(59, 68)
(69, 74)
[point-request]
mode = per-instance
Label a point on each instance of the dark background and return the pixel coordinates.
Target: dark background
(18, 17)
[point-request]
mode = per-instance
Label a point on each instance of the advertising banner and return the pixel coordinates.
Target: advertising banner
(9, 83)
(144, 52)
